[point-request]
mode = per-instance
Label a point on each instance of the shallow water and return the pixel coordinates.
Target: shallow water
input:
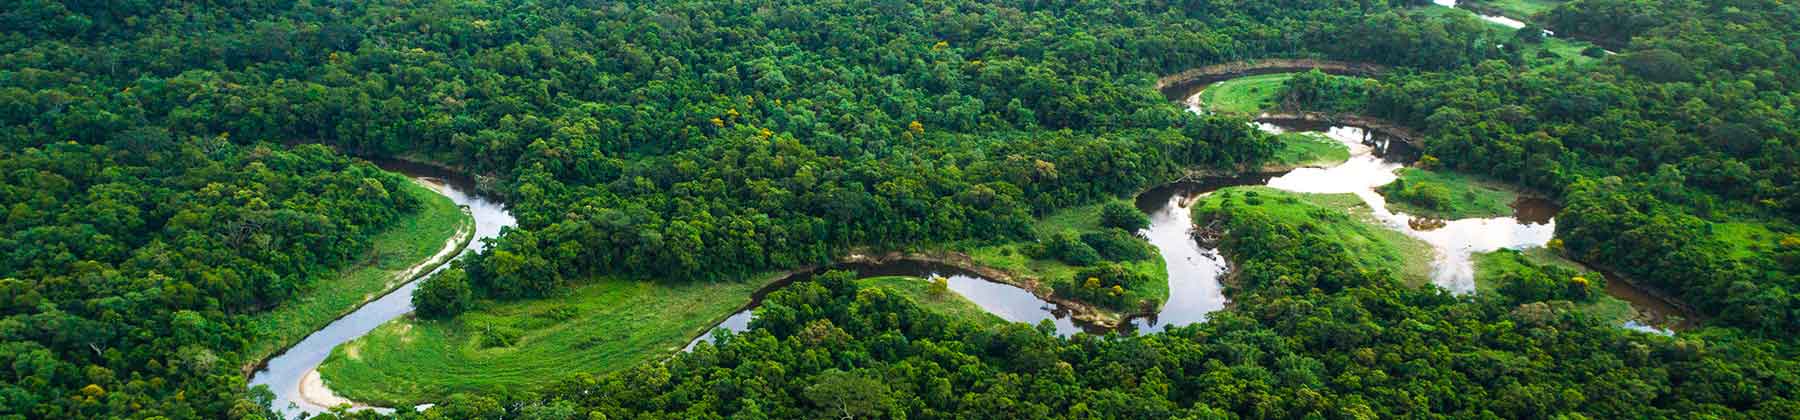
(283, 373)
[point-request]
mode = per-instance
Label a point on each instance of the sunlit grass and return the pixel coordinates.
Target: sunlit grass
(1465, 195)
(595, 328)
(1342, 218)
(1245, 95)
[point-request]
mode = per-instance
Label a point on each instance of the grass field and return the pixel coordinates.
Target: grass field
(950, 303)
(1491, 267)
(1011, 257)
(599, 327)
(1448, 195)
(1305, 149)
(1245, 95)
(411, 240)
(1748, 239)
(1342, 217)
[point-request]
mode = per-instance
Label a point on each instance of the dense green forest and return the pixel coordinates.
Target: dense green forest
(168, 169)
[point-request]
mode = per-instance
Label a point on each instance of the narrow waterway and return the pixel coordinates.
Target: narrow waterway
(286, 373)
(1004, 300)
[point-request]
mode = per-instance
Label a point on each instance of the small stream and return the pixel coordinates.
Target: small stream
(284, 373)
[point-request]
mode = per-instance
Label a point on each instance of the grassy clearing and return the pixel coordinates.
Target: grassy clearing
(1012, 257)
(1492, 267)
(1342, 217)
(411, 240)
(1748, 239)
(1307, 149)
(596, 328)
(950, 304)
(1448, 195)
(1245, 95)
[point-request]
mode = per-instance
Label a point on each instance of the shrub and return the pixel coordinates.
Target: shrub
(1122, 215)
(1118, 245)
(444, 295)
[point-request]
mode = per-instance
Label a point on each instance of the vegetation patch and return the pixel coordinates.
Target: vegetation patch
(1538, 274)
(934, 297)
(1245, 95)
(410, 240)
(1448, 195)
(1306, 149)
(1269, 224)
(598, 327)
(1078, 238)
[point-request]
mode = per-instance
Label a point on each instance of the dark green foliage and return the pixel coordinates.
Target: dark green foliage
(1423, 194)
(126, 271)
(822, 348)
(1068, 248)
(1316, 91)
(1123, 215)
(1118, 245)
(1534, 282)
(1105, 284)
(147, 208)
(444, 295)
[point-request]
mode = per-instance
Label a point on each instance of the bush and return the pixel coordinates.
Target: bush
(1118, 245)
(444, 295)
(1122, 215)
(1067, 248)
(1105, 285)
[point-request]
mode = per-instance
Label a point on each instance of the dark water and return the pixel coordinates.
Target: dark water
(283, 373)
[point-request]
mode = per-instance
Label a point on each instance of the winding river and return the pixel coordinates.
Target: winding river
(288, 373)
(1194, 271)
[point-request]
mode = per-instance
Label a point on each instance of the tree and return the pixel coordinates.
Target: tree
(444, 295)
(850, 395)
(940, 286)
(1122, 215)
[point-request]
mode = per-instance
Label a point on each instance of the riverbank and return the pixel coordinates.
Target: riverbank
(1179, 86)
(948, 303)
(415, 245)
(1449, 195)
(597, 327)
(1009, 263)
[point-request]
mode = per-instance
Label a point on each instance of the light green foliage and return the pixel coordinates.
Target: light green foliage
(1304, 149)
(1245, 95)
(1448, 195)
(602, 326)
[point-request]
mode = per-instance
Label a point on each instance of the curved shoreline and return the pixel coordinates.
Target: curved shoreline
(1180, 85)
(453, 246)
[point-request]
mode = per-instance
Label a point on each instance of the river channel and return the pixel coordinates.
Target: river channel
(286, 373)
